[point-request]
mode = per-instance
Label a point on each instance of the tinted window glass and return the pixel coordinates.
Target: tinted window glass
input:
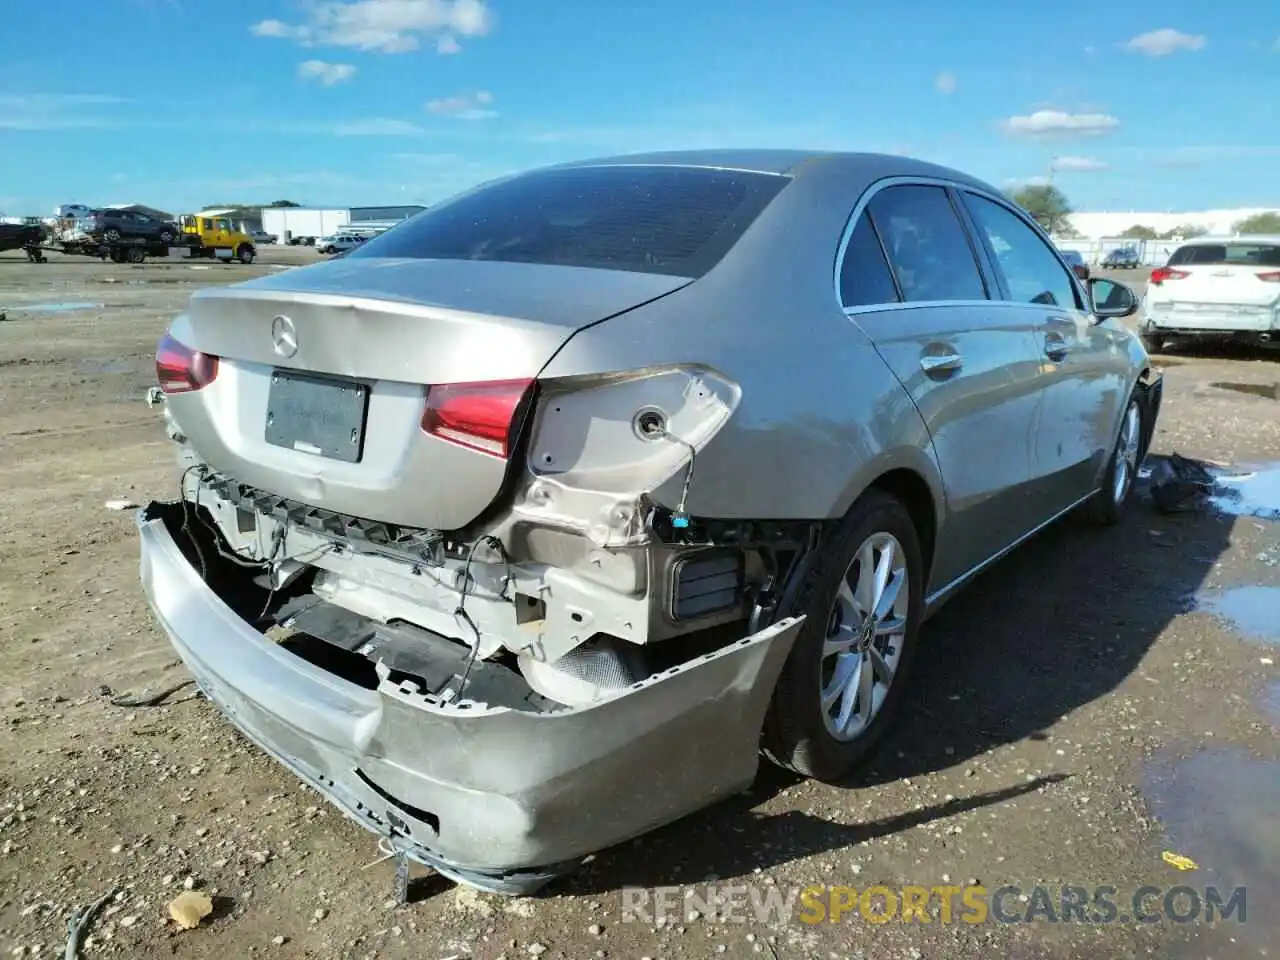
(1241, 254)
(650, 219)
(927, 245)
(864, 274)
(1032, 272)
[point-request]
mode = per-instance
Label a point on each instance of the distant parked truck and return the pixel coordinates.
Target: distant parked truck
(216, 237)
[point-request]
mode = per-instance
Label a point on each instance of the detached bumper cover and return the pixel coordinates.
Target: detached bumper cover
(483, 794)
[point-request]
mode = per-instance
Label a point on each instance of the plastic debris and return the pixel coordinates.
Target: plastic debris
(1179, 484)
(79, 923)
(120, 505)
(189, 908)
(1178, 860)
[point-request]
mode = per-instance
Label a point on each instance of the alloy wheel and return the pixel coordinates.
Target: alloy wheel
(865, 636)
(1127, 453)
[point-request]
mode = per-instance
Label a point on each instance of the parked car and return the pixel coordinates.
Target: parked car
(20, 236)
(261, 236)
(510, 623)
(112, 226)
(1123, 258)
(1076, 262)
(340, 242)
(1215, 288)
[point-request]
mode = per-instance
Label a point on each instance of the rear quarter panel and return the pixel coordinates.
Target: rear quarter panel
(821, 417)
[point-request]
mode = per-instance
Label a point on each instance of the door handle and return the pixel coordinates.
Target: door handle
(1055, 348)
(940, 363)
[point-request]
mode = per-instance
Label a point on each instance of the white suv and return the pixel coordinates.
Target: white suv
(339, 242)
(1214, 287)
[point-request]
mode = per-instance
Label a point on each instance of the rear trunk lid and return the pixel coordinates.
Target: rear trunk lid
(1220, 283)
(373, 339)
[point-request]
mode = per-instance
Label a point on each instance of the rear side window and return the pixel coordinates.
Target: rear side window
(865, 279)
(1232, 254)
(670, 220)
(927, 245)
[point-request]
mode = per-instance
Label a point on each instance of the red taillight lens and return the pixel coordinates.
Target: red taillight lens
(476, 415)
(1160, 274)
(1271, 276)
(181, 369)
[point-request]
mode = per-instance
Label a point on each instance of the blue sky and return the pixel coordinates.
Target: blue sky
(1145, 106)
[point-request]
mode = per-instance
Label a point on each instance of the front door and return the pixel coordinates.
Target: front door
(1083, 364)
(970, 369)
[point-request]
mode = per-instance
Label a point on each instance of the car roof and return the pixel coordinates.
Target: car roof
(1262, 238)
(793, 163)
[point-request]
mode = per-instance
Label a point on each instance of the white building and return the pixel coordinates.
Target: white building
(1102, 225)
(285, 222)
(1100, 232)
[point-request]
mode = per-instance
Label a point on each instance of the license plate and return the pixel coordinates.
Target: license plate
(317, 415)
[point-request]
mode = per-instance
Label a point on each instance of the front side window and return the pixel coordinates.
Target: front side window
(1031, 271)
(926, 244)
(672, 220)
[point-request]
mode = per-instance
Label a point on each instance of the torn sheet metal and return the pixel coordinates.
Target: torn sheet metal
(481, 793)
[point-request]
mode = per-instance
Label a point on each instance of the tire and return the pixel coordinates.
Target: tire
(135, 255)
(166, 237)
(245, 254)
(799, 732)
(112, 235)
(1106, 506)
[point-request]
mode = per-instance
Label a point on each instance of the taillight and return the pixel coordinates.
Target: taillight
(476, 415)
(181, 369)
(1271, 276)
(1160, 274)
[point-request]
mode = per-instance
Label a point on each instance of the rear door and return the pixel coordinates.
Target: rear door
(1083, 366)
(911, 279)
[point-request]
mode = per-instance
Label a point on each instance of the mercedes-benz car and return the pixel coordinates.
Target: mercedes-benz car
(530, 524)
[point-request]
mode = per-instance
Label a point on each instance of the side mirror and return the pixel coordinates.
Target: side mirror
(1111, 300)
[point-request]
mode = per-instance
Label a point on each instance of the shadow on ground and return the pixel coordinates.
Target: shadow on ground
(1060, 623)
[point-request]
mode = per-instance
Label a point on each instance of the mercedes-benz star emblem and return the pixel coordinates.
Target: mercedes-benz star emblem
(284, 335)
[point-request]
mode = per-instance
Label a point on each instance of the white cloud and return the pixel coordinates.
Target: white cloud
(326, 73)
(467, 106)
(373, 127)
(1044, 124)
(1019, 182)
(384, 26)
(1161, 43)
(56, 111)
(1078, 164)
(945, 83)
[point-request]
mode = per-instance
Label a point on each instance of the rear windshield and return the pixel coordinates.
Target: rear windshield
(1241, 254)
(670, 220)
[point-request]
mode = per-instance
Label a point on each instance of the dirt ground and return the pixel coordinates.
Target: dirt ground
(1083, 711)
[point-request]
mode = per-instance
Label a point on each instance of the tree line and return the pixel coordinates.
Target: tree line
(1051, 209)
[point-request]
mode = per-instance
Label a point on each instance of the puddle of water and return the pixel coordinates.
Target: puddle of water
(1218, 807)
(1251, 494)
(1270, 391)
(56, 307)
(1253, 610)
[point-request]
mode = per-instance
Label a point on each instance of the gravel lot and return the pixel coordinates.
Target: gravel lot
(1084, 711)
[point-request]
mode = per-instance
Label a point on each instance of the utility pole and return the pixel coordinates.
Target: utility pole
(1053, 165)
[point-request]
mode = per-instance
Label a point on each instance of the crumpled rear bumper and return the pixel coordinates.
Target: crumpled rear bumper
(491, 796)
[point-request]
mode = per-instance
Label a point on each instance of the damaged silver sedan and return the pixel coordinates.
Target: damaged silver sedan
(526, 527)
